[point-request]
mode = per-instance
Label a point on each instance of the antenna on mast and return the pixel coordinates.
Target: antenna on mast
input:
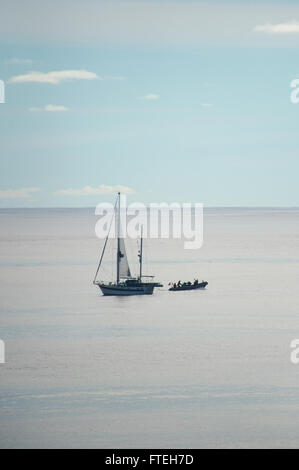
(140, 253)
(118, 242)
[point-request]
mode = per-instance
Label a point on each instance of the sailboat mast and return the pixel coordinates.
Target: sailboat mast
(118, 243)
(140, 257)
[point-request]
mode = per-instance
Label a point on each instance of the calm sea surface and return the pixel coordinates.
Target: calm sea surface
(188, 369)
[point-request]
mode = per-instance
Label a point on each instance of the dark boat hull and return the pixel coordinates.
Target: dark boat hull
(120, 289)
(200, 285)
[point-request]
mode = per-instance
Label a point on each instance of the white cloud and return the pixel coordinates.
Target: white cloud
(17, 193)
(280, 28)
(54, 77)
(150, 97)
(16, 61)
(50, 108)
(90, 191)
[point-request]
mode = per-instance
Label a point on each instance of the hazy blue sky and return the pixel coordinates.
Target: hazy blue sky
(173, 100)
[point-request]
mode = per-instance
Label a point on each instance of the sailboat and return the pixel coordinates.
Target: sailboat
(125, 283)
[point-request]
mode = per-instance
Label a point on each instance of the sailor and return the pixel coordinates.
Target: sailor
(179, 284)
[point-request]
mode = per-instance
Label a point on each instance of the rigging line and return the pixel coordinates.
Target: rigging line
(99, 265)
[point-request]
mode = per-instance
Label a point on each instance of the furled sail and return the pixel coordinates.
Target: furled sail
(124, 269)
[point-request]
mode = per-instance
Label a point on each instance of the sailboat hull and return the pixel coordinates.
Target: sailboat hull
(120, 290)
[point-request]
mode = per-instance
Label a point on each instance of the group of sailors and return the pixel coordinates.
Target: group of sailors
(184, 284)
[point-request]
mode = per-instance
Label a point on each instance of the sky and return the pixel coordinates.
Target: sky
(163, 100)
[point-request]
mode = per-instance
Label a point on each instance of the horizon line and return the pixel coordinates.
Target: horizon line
(147, 206)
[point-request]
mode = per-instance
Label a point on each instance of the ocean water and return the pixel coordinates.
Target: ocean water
(203, 369)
